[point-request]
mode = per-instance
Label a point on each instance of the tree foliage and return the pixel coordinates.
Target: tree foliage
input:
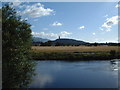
(18, 67)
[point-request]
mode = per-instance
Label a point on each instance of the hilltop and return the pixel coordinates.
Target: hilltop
(65, 41)
(36, 41)
(57, 42)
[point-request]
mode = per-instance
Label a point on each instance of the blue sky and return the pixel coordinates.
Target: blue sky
(87, 21)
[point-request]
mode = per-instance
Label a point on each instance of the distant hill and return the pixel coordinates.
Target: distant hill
(69, 42)
(37, 39)
(64, 41)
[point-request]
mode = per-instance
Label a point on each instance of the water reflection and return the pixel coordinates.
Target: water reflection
(60, 74)
(114, 65)
(40, 81)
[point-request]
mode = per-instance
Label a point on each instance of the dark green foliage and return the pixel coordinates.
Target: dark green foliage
(16, 46)
(48, 43)
(95, 44)
(0, 17)
(58, 44)
(72, 56)
(112, 53)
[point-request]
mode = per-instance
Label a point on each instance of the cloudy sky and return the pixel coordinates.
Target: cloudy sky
(87, 21)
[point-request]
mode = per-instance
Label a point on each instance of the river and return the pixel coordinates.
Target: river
(78, 74)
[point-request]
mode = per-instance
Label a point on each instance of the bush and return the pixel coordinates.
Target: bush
(112, 53)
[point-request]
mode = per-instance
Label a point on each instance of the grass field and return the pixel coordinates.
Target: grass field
(75, 52)
(74, 48)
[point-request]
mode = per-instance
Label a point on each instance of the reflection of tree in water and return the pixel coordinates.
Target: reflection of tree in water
(114, 65)
(18, 67)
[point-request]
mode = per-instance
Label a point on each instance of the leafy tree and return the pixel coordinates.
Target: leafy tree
(18, 66)
(95, 44)
(48, 43)
(0, 16)
(58, 44)
(112, 53)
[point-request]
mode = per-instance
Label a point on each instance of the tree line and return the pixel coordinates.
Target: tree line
(51, 43)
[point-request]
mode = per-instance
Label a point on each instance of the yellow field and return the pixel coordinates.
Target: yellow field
(74, 48)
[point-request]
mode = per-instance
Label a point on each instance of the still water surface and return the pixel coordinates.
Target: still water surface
(82, 74)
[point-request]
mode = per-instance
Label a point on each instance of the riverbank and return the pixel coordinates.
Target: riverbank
(75, 53)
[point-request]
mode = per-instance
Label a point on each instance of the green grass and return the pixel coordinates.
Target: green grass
(72, 56)
(75, 53)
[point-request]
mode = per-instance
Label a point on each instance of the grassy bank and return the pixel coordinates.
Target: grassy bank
(75, 53)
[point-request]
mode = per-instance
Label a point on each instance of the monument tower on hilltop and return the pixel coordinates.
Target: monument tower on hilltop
(59, 37)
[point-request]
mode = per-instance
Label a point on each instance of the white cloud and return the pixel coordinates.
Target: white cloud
(103, 40)
(16, 3)
(43, 34)
(23, 19)
(64, 34)
(94, 33)
(118, 5)
(107, 25)
(51, 35)
(57, 24)
(106, 15)
(81, 27)
(101, 28)
(22, 6)
(36, 10)
(26, 18)
(45, 28)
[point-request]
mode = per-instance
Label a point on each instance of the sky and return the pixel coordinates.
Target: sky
(86, 21)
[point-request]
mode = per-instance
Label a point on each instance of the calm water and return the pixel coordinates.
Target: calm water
(83, 74)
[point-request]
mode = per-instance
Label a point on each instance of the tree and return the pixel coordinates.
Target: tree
(112, 53)
(58, 44)
(17, 63)
(48, 43)
(95, 44)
